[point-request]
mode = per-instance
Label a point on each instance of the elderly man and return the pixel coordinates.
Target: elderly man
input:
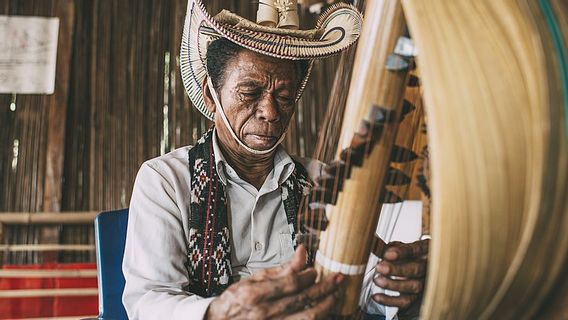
(210, 232)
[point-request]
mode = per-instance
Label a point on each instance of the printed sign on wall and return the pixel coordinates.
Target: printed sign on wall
(28, 54)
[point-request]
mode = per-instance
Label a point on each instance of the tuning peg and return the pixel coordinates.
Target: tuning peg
(413, 81)
(407, 107)
(396, 62)
(354, 156)
(389, 197)
(423, 184)
(395, 177)
(400, 154)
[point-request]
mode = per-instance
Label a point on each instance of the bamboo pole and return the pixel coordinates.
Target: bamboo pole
(85, 317)
(56, 106)
(34, 293)
(45, 247)
(346, 243)
(87, 217)
(32, 273)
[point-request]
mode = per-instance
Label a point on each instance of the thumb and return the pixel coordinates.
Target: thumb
(298, 261)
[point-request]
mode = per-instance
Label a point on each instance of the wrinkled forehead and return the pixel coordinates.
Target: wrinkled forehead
(255, 65)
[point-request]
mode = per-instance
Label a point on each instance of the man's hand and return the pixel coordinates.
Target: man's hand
(287, 292)
(403, 269)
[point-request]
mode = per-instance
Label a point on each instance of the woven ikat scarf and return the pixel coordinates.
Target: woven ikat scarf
(209, 252)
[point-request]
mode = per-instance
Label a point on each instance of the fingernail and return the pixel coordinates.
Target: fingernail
(339, 278)
(384, 269)
(391, 255)
(379, 281)
(377, 297)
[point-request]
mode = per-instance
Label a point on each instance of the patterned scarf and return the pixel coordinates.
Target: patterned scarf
(209, 252)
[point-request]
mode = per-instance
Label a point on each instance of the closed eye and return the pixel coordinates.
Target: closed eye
(285, 99)
(250, 94)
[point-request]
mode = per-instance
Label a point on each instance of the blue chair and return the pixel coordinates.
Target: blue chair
(110, 238)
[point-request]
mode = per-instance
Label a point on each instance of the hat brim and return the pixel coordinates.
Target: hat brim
(340, 27)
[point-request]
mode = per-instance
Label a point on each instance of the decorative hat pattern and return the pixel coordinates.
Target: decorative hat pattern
(336, 29)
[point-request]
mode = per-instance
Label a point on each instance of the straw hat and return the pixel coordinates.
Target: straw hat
(275, 35)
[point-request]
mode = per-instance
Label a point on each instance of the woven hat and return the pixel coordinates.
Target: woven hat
(336, 29)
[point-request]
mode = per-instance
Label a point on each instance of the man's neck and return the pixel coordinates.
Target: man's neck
(252, 168)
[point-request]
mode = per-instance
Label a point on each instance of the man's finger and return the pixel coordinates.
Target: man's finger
(274, 273)
(410, 286)
(298, 261)
(403, 251)
(412, 269)
(320, 310)
(287, 305)
(299, 301)
(294, 265)
(286, 285)
(270, 273)
(329, 285)
(404, 301)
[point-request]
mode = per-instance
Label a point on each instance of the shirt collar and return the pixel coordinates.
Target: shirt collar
(283, 165)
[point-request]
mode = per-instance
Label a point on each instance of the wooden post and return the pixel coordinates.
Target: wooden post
(57, 115)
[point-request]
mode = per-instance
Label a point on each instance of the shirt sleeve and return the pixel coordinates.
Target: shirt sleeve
(155, 255)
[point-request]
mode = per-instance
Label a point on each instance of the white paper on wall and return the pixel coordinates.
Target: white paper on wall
(28, 54)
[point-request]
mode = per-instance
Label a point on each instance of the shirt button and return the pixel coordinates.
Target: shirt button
(258, 246)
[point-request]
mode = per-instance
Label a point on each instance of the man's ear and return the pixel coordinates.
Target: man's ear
(207, 98)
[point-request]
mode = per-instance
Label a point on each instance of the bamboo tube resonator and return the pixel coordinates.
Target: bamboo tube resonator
(495, 83)
(495, 86)
(375, 97)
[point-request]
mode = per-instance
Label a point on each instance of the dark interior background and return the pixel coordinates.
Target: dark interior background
(119, 100)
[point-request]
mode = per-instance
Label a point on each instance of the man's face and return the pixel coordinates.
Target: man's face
(258, 97)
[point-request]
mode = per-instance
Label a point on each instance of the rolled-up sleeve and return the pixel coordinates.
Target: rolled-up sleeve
(156, 252)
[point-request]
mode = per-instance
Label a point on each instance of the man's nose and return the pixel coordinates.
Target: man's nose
(268, 109)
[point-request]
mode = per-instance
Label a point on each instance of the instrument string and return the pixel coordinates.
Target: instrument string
(315, 218)
(396, 179)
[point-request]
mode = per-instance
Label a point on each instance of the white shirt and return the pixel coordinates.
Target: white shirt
(158, 228)
(260, 234)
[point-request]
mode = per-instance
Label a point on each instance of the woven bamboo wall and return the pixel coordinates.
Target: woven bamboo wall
(119, 101)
